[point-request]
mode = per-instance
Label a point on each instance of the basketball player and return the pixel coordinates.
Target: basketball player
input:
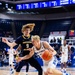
(11, 53)
(64, 55)
(28, 56)
(50, 65)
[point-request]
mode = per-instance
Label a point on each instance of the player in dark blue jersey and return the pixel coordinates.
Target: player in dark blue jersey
(25, 42)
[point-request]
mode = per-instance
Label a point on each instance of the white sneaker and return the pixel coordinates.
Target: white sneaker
(11, 71)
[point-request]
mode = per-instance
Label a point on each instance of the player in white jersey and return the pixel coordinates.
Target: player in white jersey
(39, 47)
(11, 53)
(65, 49)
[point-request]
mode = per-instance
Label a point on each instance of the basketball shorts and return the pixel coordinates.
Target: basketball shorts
(64, 59)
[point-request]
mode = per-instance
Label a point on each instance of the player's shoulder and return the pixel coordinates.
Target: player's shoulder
(44, 42)
(67, 45)
(20, 37)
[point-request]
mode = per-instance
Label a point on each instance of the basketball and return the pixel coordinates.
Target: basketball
(47, 55)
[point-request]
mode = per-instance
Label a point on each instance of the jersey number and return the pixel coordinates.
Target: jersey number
(27, 45)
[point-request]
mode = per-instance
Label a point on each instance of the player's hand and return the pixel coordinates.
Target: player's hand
(18, 59)
(49, 71)
(30, 49)
(15, 52)
(45, 73)
(4, 40)
(52, 53)
(62, 52)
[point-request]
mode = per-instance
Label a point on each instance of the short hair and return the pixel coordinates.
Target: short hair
(35, 37)
(29, 25)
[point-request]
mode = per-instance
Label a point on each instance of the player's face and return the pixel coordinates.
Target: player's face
(35, 42)
(64, 42)
(27, 31)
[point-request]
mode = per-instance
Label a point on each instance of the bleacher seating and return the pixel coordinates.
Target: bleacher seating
(5, 28)
(56, 25)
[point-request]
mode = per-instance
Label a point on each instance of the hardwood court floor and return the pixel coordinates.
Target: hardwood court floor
(32, 71)
(4, 72)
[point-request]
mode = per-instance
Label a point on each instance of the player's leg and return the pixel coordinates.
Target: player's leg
(11, 65)
(51, 67)
(65, 66)
(27, 67)
(18, 67)
(62, 63)
(65, 62)
(45, 73)
(11, 69)
(16, 73)
(34, 63)
(62, 66)
(53, 71)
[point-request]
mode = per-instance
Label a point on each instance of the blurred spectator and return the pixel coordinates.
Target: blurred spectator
(72, 49)
(51, 41)
(59, 40)
(69, 62)
(56, 47)
(57, 50)
(54, 40)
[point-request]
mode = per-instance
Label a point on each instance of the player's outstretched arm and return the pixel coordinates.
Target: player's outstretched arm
(8, 43)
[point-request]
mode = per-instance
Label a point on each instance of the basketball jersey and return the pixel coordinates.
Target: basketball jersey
(25, 43)
(39, 51)
(65, 50)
